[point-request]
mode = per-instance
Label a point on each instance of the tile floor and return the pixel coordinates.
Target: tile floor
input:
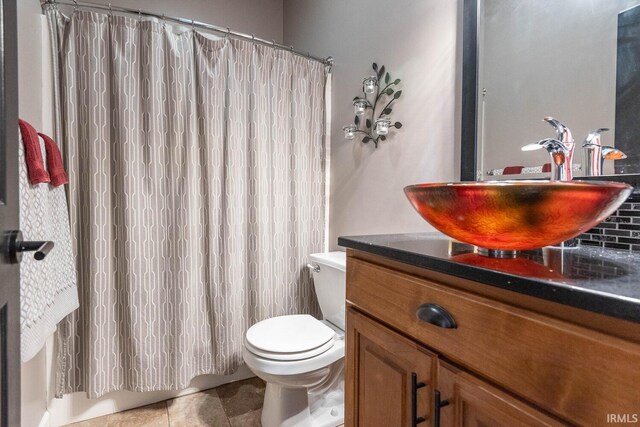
(237, 404)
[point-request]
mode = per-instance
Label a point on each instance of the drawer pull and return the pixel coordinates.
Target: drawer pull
(436, 315)
(437, 404)
(415, 385)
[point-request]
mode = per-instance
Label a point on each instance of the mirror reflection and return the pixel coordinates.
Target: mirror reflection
(575, 60)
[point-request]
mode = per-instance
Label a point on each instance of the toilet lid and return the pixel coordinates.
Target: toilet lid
(298, 333)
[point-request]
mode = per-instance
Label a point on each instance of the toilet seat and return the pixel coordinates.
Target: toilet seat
(289, 356)
(296, 365)
(286, 338)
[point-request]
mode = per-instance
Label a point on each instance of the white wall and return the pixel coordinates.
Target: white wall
(262, 17)
(417, 41)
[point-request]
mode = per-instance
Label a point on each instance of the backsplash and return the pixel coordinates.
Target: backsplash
(620, 231)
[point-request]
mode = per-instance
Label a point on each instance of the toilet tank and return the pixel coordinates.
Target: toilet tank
(330, 285)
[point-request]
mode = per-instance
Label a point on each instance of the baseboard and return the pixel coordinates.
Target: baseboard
(45, 421)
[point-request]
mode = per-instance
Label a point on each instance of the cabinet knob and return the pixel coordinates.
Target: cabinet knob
(436, 315)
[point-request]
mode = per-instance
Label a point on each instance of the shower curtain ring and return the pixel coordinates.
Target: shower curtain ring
(192, 26)
(139, 14)
(253, 38)
(110, 10)
(75, 5)
(291, 48)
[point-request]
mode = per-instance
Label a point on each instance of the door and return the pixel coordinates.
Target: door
(464, 400)
(9, 272)
(389, 379)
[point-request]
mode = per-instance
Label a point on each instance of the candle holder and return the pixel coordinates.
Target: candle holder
(382, 126)
(360, 106)
(350, 131)
(374, 128)
(370, 85)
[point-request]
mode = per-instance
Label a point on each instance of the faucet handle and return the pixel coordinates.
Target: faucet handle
(561, 154)
(563, 134)
(612, 153)
(594, 137)
(548, 143)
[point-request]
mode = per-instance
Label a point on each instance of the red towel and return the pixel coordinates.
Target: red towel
(512, 170)
(54, 162)
(32, 153)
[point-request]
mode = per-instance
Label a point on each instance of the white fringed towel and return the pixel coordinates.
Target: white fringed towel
(48, 288)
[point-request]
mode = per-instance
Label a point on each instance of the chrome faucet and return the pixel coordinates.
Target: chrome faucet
(595, 153)
(560, 148)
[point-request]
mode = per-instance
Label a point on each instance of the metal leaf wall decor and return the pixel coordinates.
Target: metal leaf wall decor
(372, 122)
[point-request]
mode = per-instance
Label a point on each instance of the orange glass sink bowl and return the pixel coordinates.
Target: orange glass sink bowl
(516, 215)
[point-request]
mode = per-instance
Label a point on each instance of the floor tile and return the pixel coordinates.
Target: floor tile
(237, 404)
(202, 409)
(242, 397)
(147, 416)
(250, 419)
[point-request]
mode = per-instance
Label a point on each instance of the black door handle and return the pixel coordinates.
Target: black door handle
(436, 315)
(415, 385)
(437, 404)
(14, 246)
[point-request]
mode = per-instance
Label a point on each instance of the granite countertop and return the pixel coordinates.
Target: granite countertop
(601, 280)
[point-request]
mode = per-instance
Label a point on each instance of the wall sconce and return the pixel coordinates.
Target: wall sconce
(375, 128)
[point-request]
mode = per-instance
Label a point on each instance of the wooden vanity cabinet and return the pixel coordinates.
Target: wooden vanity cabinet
(391, 377)
(472, 402)
(393, 383)
(505, 363)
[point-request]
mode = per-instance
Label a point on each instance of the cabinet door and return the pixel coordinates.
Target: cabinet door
(469, 401)
(389, 379)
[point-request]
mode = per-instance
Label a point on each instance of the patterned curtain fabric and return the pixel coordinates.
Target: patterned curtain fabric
(196, 193)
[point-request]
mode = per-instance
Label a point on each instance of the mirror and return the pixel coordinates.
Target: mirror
(575, 60)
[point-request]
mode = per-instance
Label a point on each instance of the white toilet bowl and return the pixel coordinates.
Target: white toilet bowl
(301, 358)
(305, 388)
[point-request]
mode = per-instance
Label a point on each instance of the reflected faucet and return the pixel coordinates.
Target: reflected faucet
(595, 153)
(560, 148)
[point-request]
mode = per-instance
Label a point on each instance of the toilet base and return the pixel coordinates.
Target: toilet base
(319, 406)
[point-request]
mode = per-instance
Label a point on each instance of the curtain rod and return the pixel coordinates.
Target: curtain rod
(188, 22)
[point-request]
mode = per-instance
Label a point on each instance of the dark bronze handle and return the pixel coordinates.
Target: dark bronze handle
(437, 404)
(436, 315)
(14, 246)
(41, 248)
(415, 385)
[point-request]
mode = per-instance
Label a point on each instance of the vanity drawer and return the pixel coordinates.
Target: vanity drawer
(578, 374)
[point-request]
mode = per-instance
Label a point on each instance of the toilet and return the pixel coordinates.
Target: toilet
(301, 358)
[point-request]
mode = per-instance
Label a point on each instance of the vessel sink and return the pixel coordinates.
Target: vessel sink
(516, 215)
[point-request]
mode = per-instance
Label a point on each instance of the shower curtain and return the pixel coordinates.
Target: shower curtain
(196, 193)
